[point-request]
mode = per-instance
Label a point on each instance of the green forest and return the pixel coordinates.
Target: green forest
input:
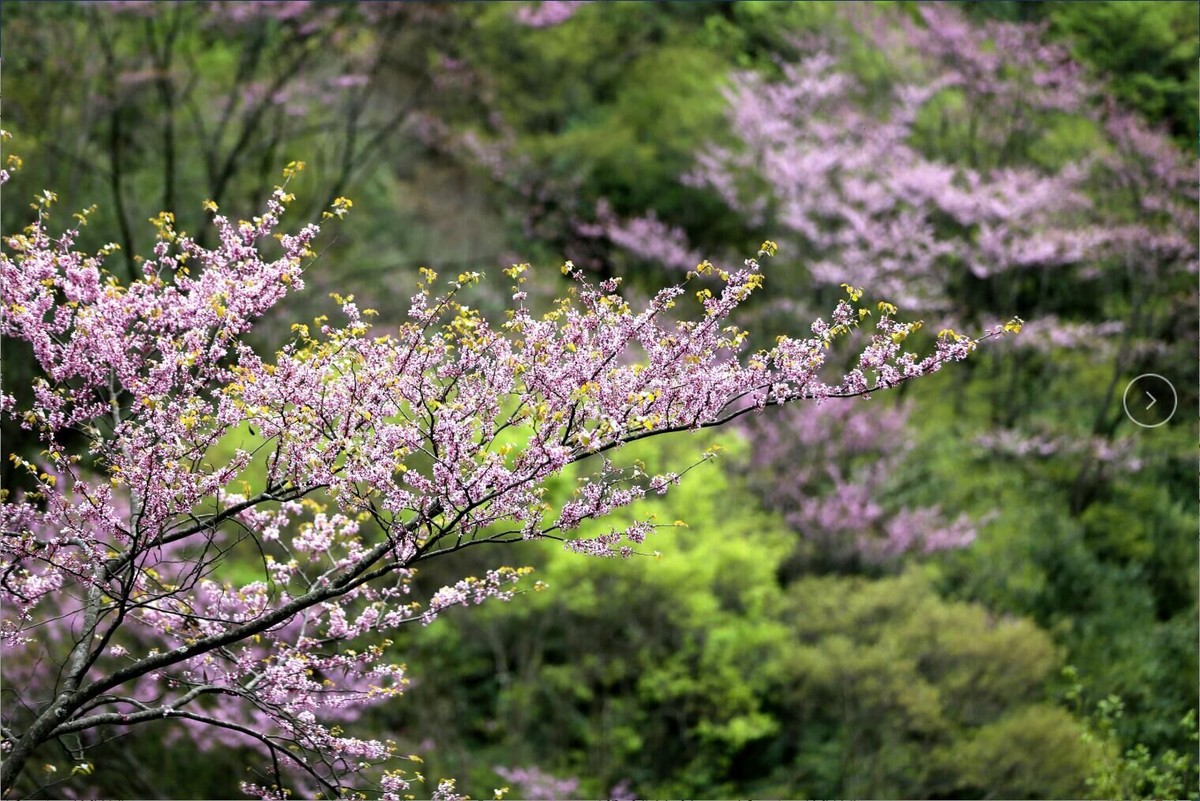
(980, 584)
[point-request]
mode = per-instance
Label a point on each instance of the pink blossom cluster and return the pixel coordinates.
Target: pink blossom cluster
(1012, 65)
(548, 13)
(1048, 334)
(828, 470)
(1022, 445)
(645, 236)
(534, 783)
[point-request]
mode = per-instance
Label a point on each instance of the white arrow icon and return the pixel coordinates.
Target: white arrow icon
(1154, 417)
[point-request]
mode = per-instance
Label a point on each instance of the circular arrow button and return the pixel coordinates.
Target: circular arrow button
(1150, 400)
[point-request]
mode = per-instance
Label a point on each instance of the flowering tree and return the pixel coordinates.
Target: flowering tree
(946, 185)
(827, 471)
(846, 176)
(145, 577)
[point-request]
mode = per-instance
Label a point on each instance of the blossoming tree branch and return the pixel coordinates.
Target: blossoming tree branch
(366, 452)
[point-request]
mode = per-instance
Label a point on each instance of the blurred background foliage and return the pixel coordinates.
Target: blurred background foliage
(981, 585)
